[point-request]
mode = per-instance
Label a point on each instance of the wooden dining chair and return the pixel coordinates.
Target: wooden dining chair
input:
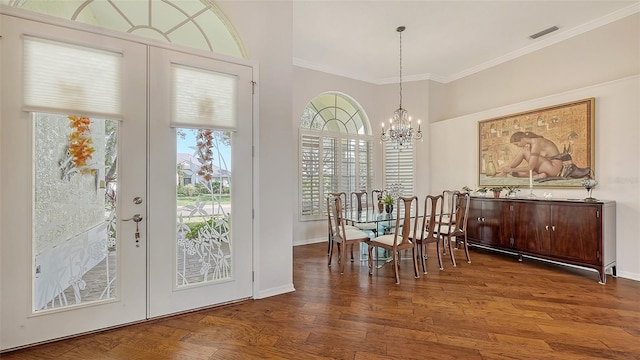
(340, 235)
(360, 205)
(456, 225)
(374, 199)
(343, 196)
(427, 234)
(400, 239)
(448, 204)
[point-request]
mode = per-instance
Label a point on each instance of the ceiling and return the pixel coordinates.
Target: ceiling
(443, 40)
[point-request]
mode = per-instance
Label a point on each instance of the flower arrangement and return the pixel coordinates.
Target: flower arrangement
(80, 143)
(204, 154)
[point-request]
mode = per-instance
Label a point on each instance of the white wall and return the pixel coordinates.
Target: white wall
(603, 63)
(266, 29)
(617, 167)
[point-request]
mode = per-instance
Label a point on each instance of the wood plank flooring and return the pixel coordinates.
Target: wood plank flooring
(493, 308)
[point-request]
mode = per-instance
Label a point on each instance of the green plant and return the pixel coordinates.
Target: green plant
(195, 229)
(497, 188)
(467, 189)
(387, 200)
(482, 190)
(511, 189)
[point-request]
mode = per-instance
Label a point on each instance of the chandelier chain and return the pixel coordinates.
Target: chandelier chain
(400, 30)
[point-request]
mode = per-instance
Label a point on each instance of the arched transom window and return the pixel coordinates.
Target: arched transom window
(335, 151)
(198, 24)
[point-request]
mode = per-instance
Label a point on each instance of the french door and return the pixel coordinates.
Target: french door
(93, 231)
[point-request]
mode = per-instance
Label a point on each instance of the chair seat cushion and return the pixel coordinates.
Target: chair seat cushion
(386, 239)
(354, 234)
(346, 227)
(445, 229)
(367, 226)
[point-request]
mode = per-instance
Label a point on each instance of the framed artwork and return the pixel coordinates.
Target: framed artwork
(549, 147)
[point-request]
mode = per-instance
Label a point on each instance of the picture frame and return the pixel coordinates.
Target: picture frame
(558, 140)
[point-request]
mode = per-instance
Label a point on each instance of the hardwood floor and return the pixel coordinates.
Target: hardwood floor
(493, 308)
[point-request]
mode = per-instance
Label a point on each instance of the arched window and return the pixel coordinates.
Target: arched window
(198, 24)
(335, 151)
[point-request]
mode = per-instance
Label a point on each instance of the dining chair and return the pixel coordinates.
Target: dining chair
(340, 235)
(448, 204)
(400, 239)
(343, 196)
(360, 205)
(375, 194)
(428, 232)
(456, 225)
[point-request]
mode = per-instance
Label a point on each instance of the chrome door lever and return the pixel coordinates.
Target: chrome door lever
(136, 218)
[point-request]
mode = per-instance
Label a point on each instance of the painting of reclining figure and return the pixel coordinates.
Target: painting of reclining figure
(553, 145)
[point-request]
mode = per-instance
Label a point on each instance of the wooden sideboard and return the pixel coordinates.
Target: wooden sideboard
(572, 232)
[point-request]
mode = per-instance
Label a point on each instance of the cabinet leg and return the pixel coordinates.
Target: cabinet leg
(603, 276)
(613, 271)
(520, 257)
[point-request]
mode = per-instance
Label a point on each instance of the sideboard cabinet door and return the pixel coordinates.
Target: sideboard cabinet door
(576, 233)
(488, 222)
(530, 227)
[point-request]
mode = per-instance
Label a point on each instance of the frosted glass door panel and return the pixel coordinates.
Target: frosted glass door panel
(74, 212)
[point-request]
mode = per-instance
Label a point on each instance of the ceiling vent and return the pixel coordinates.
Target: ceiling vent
(544, 32)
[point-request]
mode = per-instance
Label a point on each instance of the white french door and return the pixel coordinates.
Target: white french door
(201, 254)
(73, 258)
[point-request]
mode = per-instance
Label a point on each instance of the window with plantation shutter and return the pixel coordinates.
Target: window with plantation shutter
(335, 152)
(398, 167)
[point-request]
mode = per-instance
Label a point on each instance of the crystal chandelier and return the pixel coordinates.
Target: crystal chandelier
(400, 131)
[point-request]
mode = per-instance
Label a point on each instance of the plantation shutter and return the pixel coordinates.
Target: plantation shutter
(310, 175)
(71, 79)
(398, 167)
(364, 165)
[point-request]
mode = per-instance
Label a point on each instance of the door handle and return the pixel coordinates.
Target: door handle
(136, 218)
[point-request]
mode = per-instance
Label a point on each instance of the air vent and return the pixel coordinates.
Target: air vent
(544, 32)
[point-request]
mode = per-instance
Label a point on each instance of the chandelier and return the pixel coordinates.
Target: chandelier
(400, 131)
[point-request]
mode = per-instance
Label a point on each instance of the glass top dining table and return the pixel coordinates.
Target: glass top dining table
(386, 220)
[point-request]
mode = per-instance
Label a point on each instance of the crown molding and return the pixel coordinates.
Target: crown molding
(554, 39)
(539, 44)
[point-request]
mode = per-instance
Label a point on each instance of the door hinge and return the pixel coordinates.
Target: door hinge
(511, 241)
(253, 276)
(253, 88)
(253, 213)
(597, 214)
(511, 208)
(598, 254)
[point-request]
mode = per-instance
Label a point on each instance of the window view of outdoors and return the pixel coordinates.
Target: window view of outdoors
(203, 200)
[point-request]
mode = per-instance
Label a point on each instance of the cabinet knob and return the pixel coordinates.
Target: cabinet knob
(546, 227)
(553, 228)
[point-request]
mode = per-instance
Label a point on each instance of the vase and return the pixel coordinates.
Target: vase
(388, 209)
(380, 207)
(496, 194)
